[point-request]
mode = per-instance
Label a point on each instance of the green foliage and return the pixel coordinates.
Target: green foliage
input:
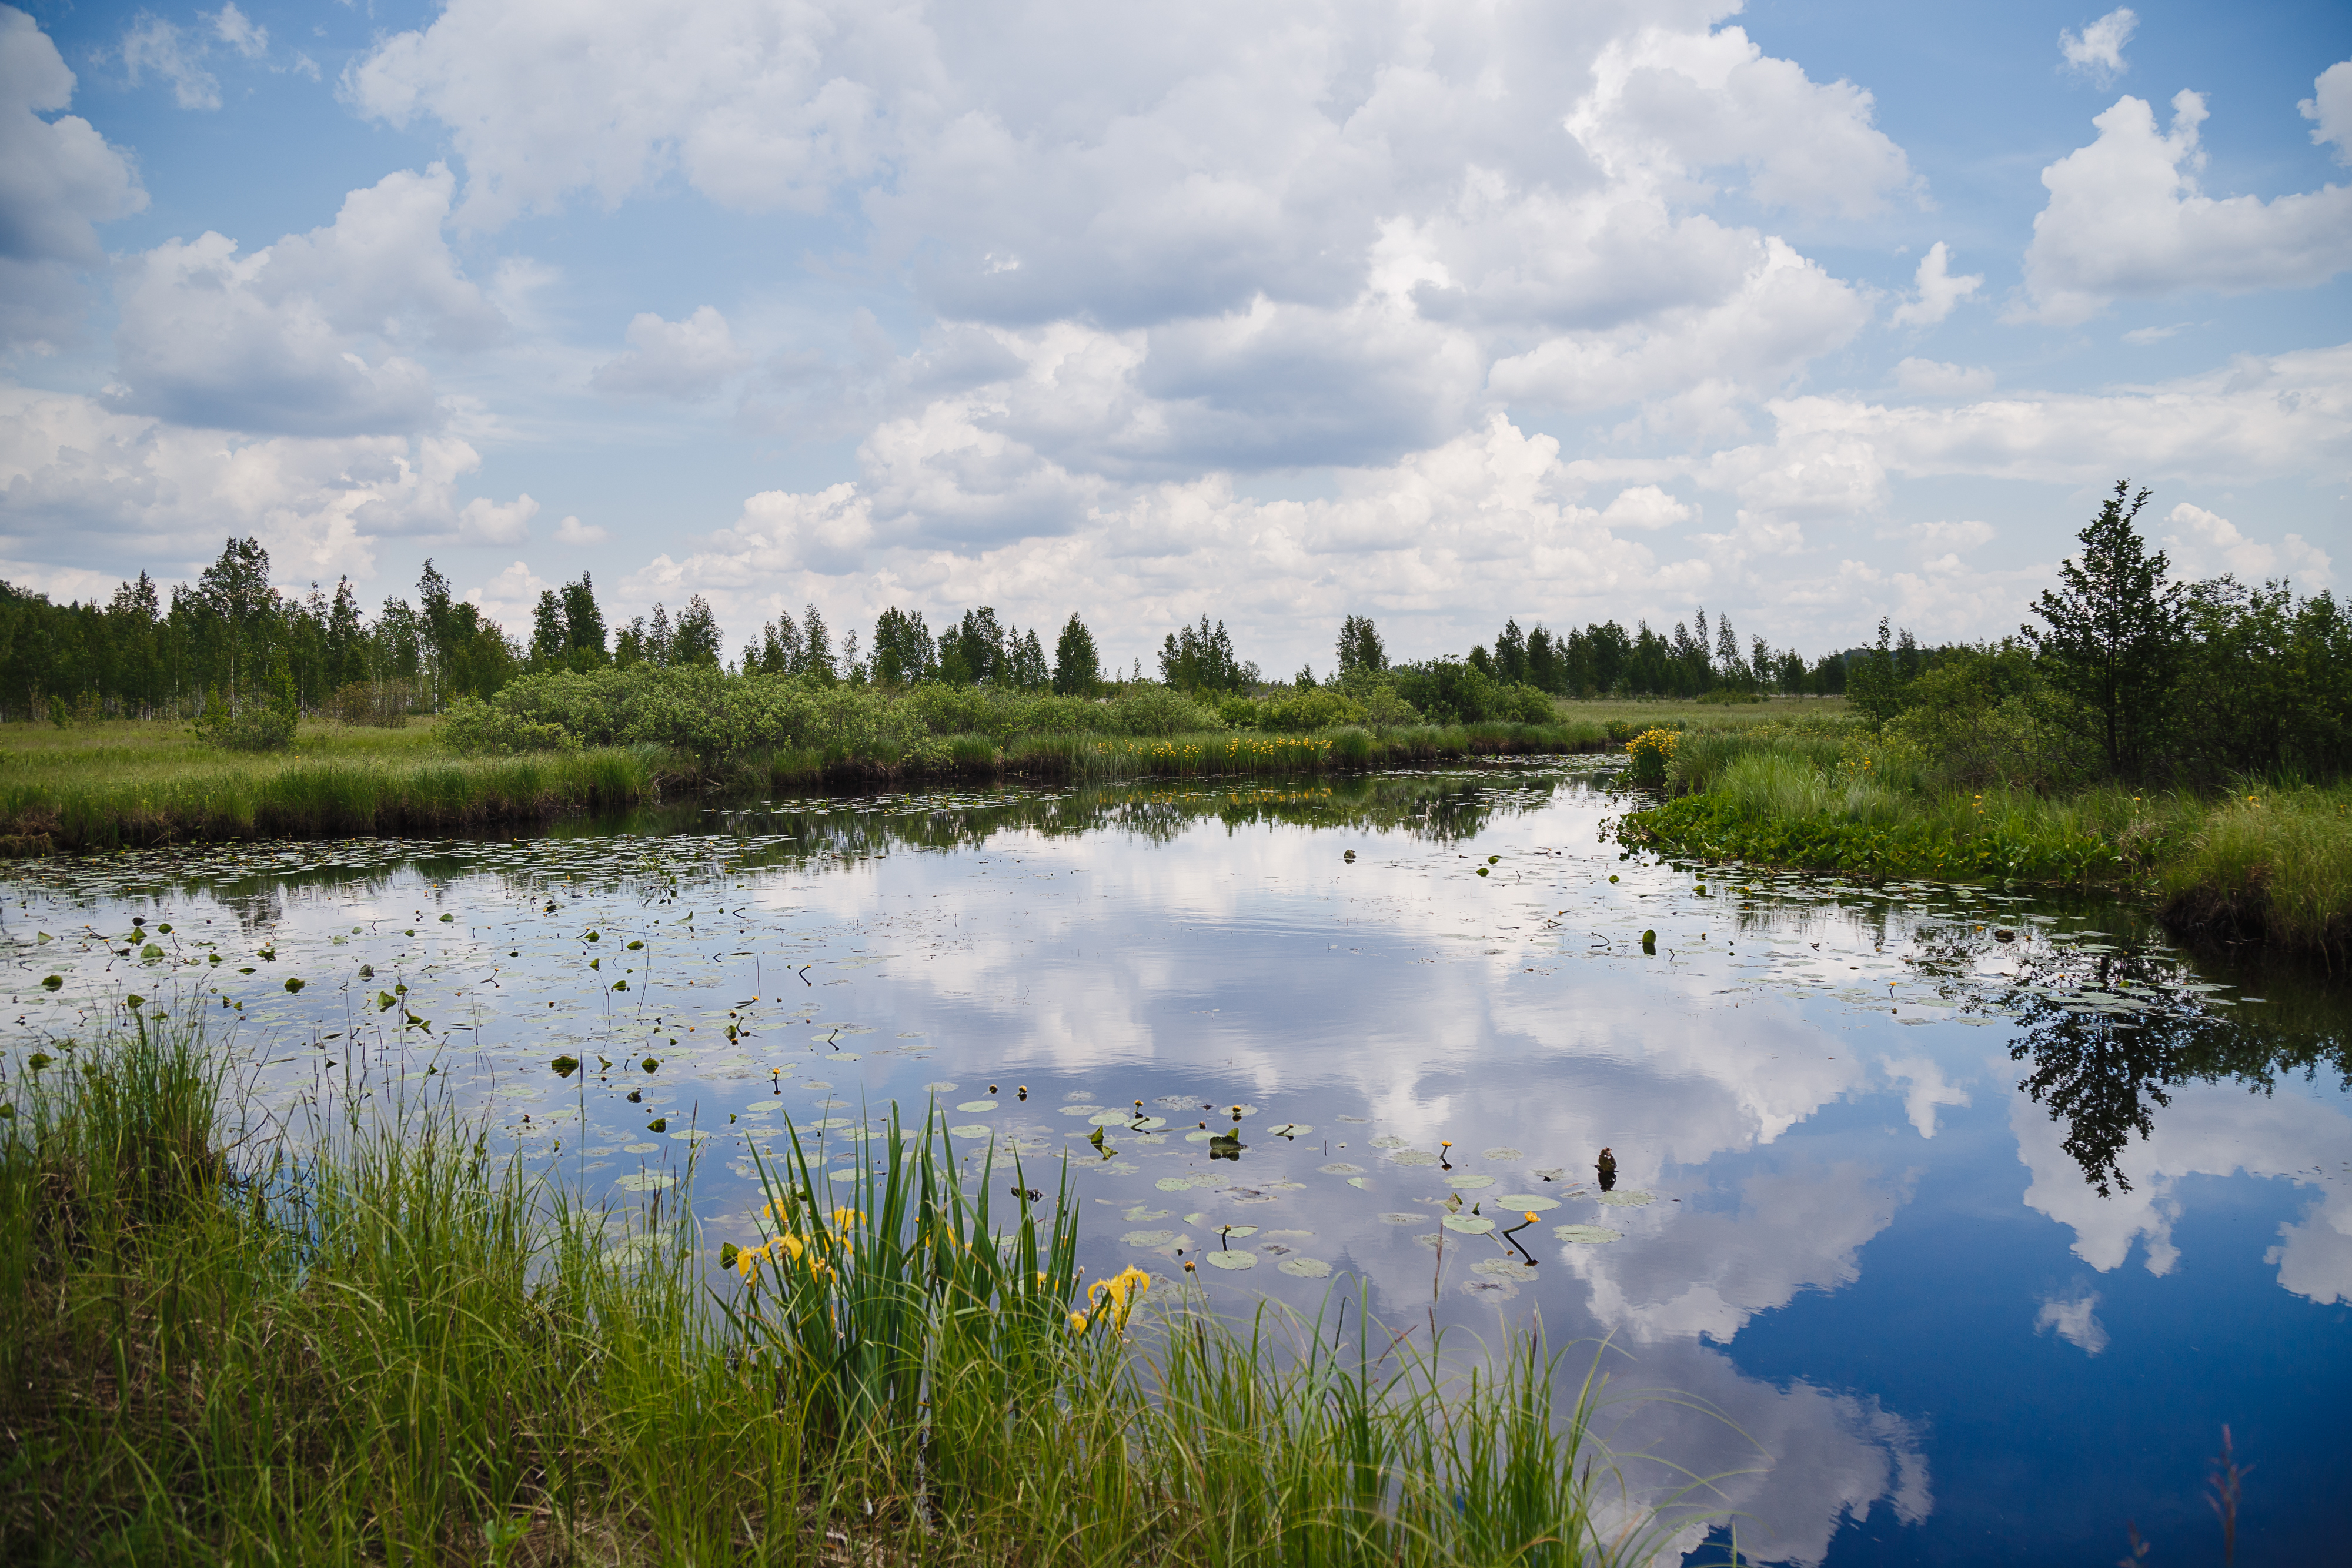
(257, 728)
(389, 1345)
(2112, 636)
(1360, 649)
(1076, 670)
(1202, 659)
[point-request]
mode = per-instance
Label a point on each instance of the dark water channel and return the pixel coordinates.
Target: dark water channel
(1968, 1218)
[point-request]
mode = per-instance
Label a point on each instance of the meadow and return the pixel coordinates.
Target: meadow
(380, 1341)
(122, 783)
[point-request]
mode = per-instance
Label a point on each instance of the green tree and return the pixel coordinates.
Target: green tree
(2112, 631)
(584, 626)
(1076, 664)
(695, 639)
(1361, 647)
(902, 648)
(816, 649)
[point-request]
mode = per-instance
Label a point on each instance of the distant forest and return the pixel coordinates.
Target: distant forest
(230, 639)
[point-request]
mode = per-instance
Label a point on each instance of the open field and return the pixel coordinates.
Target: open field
(384, 1344)
(128, 782)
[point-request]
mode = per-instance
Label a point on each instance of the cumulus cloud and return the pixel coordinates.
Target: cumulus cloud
(2330, 107)
(240, 32)
(82, 480)
(2097, 51)
(59, 180)
(1267, 241)
(1935, 289)
(487, 522)
(572, 532)
(2075, 1319)
(2125, 218)
(278, 340)
(2203, 544)
(688, 360)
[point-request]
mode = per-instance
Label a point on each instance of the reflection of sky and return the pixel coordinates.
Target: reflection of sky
(1812, 1086)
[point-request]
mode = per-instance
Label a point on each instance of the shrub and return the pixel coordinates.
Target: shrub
(1651, 753)
(257, 729)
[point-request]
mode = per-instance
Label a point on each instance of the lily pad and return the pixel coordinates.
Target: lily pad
(1588, 1233)
(1486, 1288)
(1413, 1158)
(1526, 1200)
(938, 1088)
(1150, 1237)
(1627, 1200)
(1401, 1218)
(1501, 1268)
(1100, 1118)
(971, 1130)
(1472, 1181)
(1363, 1182)
(640, 1148)
(1233, 1259)
(1139, 1214)
(1305, 1268)
(1340, 1167)
(977, 1105)
(1290, 1129)
(647, 1181)
(1502, 1152)
(1469, 1224)
(1389, 1141)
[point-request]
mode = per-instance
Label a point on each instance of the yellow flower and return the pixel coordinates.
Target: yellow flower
(843, 1219)
(1078, 1322)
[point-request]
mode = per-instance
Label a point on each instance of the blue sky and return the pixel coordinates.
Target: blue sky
(1277, 313)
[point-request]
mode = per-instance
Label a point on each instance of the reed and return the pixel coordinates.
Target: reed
(390, 1344)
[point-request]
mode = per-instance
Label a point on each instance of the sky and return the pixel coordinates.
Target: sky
(1807, 313)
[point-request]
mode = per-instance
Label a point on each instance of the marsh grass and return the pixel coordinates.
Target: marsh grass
(2267, 863)
(127, 784)
(391, 1345)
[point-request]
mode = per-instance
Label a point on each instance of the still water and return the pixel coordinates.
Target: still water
(1955, 1224)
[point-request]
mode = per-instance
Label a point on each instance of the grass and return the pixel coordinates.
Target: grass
(392, 1345)
(2272, 865)
(130, 783)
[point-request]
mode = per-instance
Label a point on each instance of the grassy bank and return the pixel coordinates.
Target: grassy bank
(2268, 863)
(128, 783)
(393, 1347)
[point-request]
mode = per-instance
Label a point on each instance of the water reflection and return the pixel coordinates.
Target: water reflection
(1806, 1100)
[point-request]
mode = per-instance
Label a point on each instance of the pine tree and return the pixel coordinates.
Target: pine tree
(1075, 668)
(2112, 629)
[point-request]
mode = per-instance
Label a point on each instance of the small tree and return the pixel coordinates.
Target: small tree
(1361, 647)
(2113, 629)
(1076, 666)
(695, 639)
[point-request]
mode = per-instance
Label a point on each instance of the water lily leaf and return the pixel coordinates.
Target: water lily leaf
(971, 1130)
(1472, 1181)
(1290, 1129)
(647, 1181)
(565, 1066)
(293, 983)
(51, 982)
(659, 1125)
(1587, 1233)
(1148, 1123)
(1150, 1237)
(1305, 1268)
(1139, 1214)
(1363, 1182)
(1389, 1141)
(1413, 1158)
(1340, 1167)
(977, 1105)
(640, 1148)
(1627, 1200)
(1174, 1183)
(1526, 1200)
(1502, 1152)
(1236, 1260)
(1501, 1268)
(1486, 1288)
(1469, 1224)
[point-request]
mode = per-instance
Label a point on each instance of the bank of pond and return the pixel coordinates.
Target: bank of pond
(383, 1342)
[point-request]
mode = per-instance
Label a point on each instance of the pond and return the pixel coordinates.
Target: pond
(1933, 1223)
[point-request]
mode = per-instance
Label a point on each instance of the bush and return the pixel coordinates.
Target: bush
(385, 704)
(257, 729)
(1651, 752)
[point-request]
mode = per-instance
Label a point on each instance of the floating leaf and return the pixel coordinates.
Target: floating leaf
(51, 982)
(1469, 1224)
(1340, 1167)
(1413, 1158)
(447, 918)
(1486, 1288)
(1504, 1153)
(1101, 1118)
(1150, 1238)
(1236, 1260)
(1389, 1141)
(938, 1088)
(1290, 1129)
(1139, 1214)
(647, 1181)
(1363, 1182)
(972, 1130)
(1401, 1218)
(1587, 1233)
(1305, 1268)
(977, 1105)
(1526, 1200)
(38, 1060)
(565, 1066)
(659, 1123)
(151, 952)
(293, 983)
(1501, 1268)
(1627, 1200)
(1472, 1181)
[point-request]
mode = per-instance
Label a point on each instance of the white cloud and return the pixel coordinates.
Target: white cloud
(275, 340)
(2075, 1319)
(1933, 378)
(511, 598)
(484, 521)
(240, 32)
(77, 479)
(2330, 108)
(58, 179)
(688, 360)
(152, 44)
(572, 531)
(2125, 218)
(1936, 291)
(1950, 537)
(1645, 506)
(2205, 545)
(2141, 337)
(2097, 51)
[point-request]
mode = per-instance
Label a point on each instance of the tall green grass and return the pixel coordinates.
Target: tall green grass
(390, 1345)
